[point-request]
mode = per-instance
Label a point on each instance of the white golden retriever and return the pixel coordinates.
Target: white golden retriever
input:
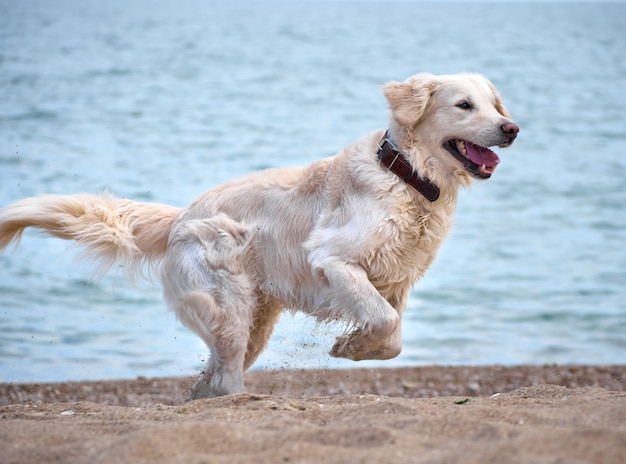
(342, 239)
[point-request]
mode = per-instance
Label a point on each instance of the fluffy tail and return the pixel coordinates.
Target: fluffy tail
(108, 229)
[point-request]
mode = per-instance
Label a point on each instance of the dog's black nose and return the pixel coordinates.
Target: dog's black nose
(511, 129)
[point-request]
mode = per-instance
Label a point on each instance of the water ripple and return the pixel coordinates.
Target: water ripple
(160, 103)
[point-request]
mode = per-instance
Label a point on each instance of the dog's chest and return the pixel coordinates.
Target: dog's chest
(407, 245)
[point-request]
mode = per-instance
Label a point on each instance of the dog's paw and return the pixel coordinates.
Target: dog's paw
(357, 347)
(339, 348)
(351, 346)
(218, 385)
(202, 389)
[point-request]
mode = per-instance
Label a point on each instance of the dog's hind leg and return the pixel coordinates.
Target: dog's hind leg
(205, 282)
(265, 317)
(225, 330)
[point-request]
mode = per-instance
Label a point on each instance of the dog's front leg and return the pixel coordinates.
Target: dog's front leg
(352, 297)
(391, 345)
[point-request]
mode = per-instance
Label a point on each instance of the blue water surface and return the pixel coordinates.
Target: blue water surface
(160, 101)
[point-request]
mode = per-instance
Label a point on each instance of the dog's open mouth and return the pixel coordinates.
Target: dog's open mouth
(479, 161)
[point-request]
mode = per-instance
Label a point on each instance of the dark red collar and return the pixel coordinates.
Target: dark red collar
(390, 157)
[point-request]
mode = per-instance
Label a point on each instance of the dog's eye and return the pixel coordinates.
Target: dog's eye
(464, 105)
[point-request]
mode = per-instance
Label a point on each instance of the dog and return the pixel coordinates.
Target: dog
(343, 239)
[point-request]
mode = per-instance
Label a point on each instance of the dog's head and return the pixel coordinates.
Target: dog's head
(446, 124)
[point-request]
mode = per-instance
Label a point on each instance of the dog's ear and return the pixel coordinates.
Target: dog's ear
(408, 100)
(499, 104)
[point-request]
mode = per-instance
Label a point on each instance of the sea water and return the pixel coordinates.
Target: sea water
(160, 101)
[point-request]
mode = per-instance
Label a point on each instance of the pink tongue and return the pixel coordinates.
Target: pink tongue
(481, 155)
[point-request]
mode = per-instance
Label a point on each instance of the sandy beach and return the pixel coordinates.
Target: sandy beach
(489, 414)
